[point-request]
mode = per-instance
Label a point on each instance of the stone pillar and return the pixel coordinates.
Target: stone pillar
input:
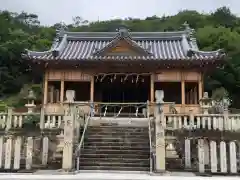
(223, 157)
(213, 156)
(206, 152)
(201, 164)
(45, 151)
(187, 153)
(227, 122)
(160, 133)
(8, 153)
(69, 124)
(233, 157)
(1, 150)
(17, 152)
(29, 153)
(42, 118)
(9, 119)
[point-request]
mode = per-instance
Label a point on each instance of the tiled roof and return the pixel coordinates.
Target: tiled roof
(178, 45)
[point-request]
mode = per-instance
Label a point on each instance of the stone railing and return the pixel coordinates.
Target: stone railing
(10, 120)
(203, 142)
(23, 138)
(229, 122)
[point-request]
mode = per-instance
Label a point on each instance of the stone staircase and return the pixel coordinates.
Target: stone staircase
(112, 147)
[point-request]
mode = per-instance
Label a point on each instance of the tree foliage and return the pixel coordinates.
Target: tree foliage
(220, 29)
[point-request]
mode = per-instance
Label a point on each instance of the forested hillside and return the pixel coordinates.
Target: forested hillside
(220, 29)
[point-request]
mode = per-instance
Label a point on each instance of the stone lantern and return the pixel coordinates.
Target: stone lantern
(226, 102)
(30, 101)
(206, 103)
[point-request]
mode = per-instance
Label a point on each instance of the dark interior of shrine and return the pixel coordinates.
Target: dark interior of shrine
(172, 91)
(122, 89)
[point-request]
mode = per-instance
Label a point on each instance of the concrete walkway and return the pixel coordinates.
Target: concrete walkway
(107, 176)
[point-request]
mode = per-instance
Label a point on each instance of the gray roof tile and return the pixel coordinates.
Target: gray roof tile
(161, 46)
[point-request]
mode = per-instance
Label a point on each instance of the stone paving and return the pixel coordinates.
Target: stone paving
(83, 175)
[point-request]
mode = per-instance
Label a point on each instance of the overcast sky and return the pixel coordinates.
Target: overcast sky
(53, 11)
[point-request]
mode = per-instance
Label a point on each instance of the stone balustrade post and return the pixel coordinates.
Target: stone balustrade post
(227, 122)
(160, 133)
(67, 163)
(69, 125)
(9, 119)
(42, 118)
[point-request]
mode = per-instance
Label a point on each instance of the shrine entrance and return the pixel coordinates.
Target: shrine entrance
(122, 89)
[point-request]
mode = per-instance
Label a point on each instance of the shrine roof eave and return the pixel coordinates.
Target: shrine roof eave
(150, 63)
(213, 57)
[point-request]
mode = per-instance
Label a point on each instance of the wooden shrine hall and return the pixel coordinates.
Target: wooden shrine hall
(125, 66)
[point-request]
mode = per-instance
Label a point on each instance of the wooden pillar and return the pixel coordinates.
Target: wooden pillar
(45, 95)
(183, 91)
(62, 91)
(152, 88)
(195, 95)
(57, 95)
(200, 89)
(51, 94)
(92, 89)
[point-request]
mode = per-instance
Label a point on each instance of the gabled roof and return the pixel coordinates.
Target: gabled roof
(178, 45)
(123, 35)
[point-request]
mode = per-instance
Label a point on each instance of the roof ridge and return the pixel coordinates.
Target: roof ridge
(133, 34)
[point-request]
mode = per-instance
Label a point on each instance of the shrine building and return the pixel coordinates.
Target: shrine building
(125, 66)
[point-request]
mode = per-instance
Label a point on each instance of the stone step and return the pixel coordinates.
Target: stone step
(119, 164)
(139, 147)
(110, 143)
(116, 129)
(116, 139)
(116, 168)
(115, 160)
(114, 151)
(123, 136)
(115, 155)
(116, 148)
(114, 133)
